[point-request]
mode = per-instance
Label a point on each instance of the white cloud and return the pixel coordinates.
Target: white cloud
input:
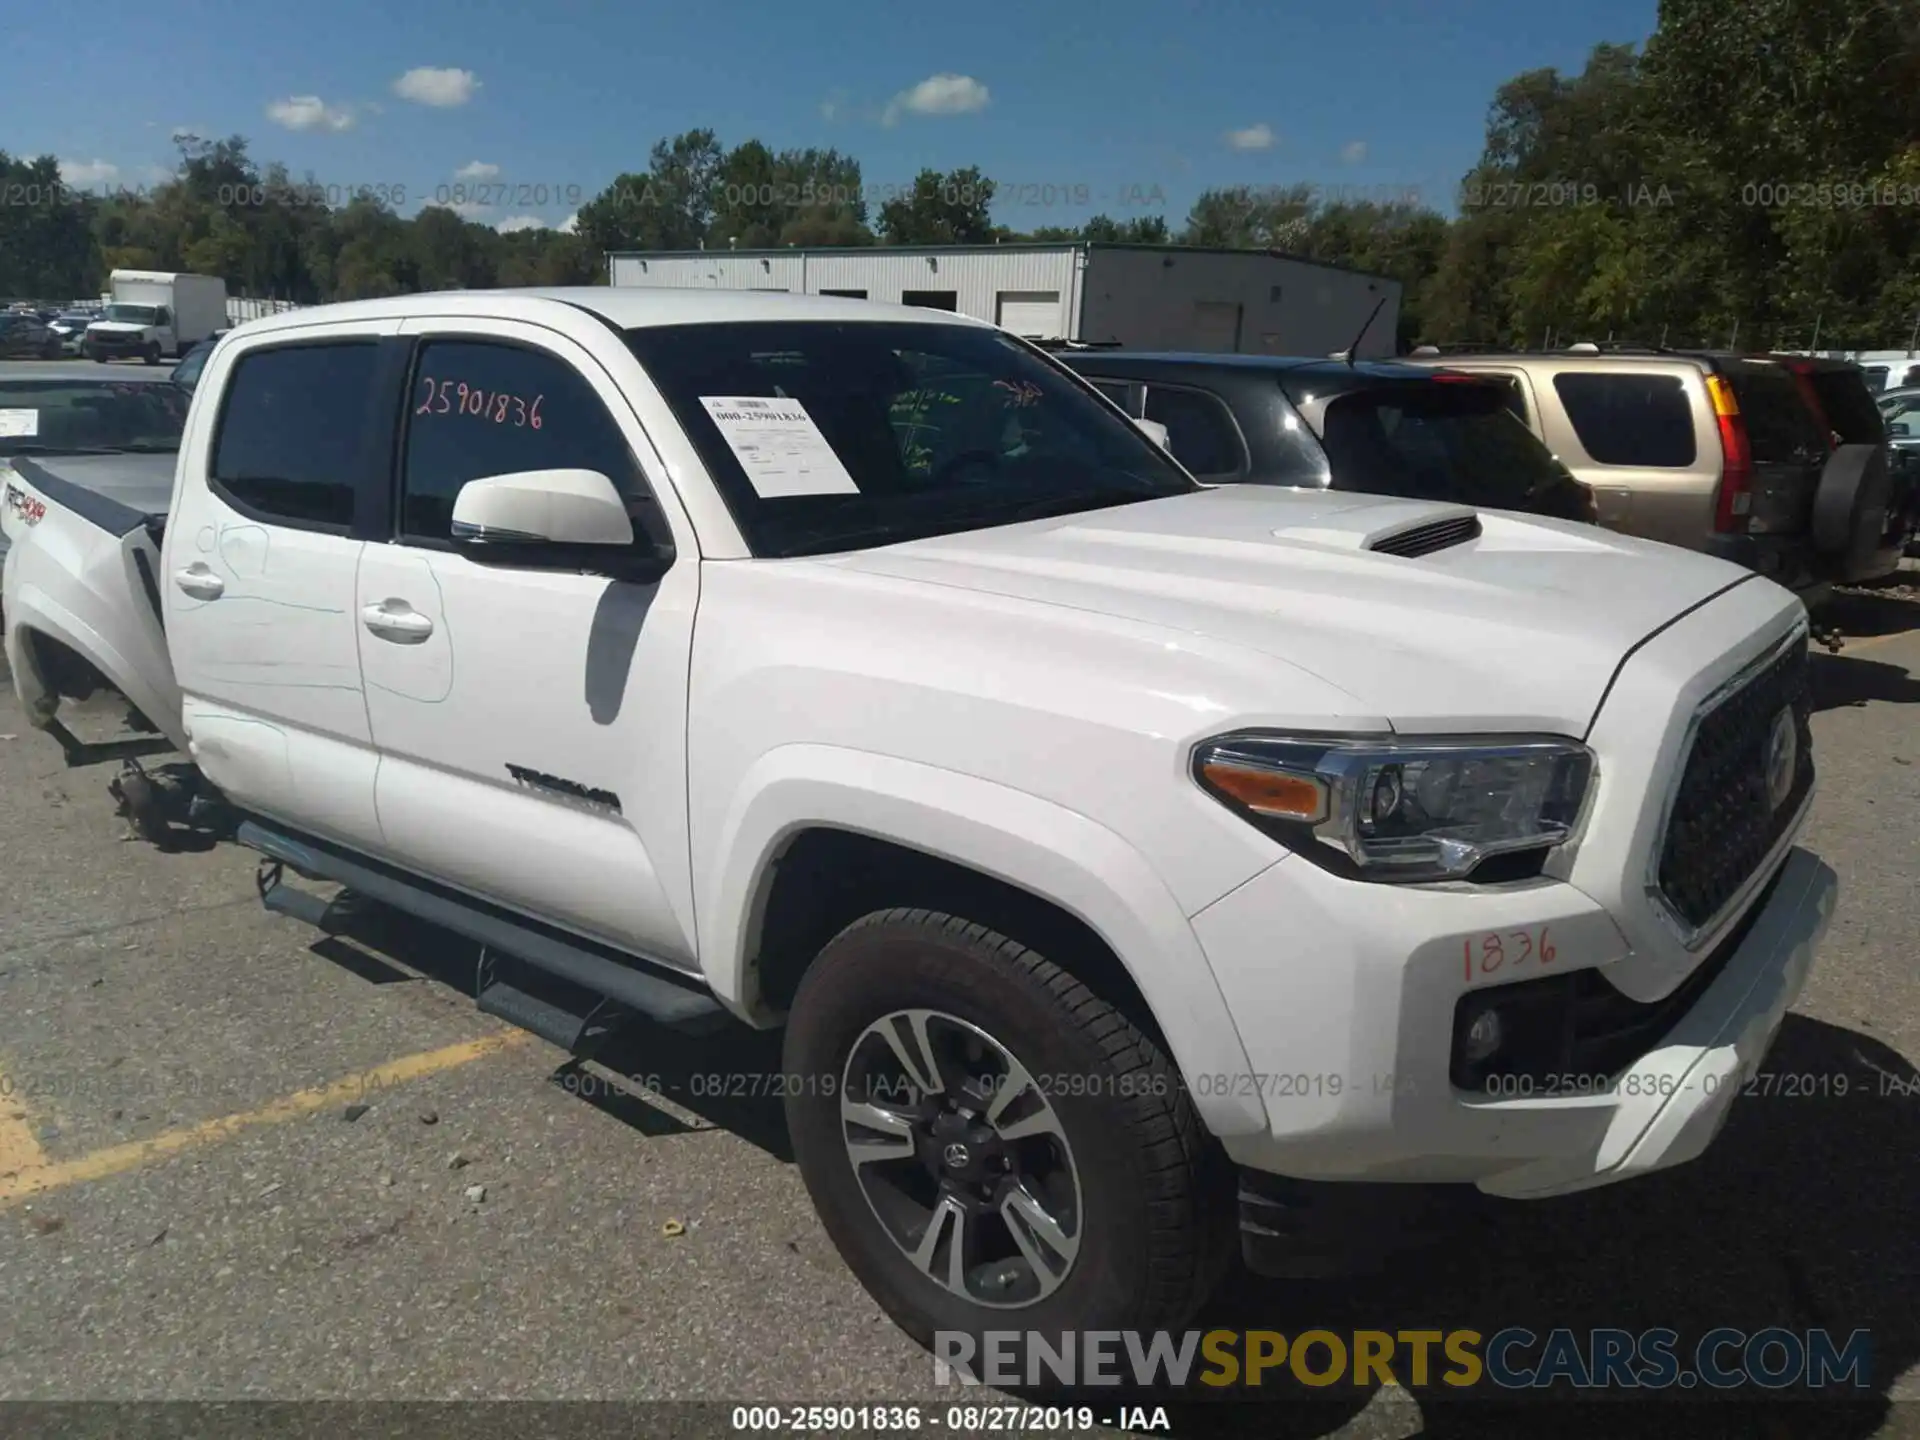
(157, 174)
(938, 95)
(1354, 152)
(476, 170)
(468, 209)
(83, 173)
(1254, 137)
(569, 225)
(309, 112)
(834, 106)
(520, 222)
(442, 89)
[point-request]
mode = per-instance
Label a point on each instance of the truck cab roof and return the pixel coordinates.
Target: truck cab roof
(623, 307)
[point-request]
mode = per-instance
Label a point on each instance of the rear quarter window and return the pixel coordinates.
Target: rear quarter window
(1629, 419)
(1200, 430)
(1849, 406)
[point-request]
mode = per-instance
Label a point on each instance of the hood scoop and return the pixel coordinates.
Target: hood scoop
(1428, 536)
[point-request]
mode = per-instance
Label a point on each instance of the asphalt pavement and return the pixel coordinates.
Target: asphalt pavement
(240, 1160)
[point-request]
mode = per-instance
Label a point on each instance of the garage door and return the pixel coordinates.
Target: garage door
(1216, 326)
(1032, 313)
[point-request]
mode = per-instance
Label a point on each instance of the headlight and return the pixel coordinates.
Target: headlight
(1405, 810)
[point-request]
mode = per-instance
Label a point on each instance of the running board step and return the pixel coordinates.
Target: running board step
(555, 1023)
(671, 1002)
(551, 1023)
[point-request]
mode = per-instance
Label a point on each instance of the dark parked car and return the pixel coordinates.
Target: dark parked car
(1372, 426)
(186, 373)
(27, 337)
(1842, 398)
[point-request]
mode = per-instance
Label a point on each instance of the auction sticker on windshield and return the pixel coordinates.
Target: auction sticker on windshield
(778, 445)
(16, 423)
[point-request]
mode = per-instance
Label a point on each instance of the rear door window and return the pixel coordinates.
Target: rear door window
(1200, 430)
(1781, 428)
(1642, 420)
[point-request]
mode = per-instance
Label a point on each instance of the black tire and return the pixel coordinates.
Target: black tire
(1158, 1226)
(151, 355)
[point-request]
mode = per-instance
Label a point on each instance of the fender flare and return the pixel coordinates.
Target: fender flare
(1033, 844)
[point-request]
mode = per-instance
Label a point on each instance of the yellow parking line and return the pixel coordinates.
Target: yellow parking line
(20, 1149)
(37, 1174)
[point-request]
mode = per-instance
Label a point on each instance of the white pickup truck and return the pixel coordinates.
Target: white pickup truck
(1130, 861)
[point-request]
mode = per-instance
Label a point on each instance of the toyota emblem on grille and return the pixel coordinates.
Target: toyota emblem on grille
(1783, 757)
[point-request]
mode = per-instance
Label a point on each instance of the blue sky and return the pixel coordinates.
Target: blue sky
(1138, 106)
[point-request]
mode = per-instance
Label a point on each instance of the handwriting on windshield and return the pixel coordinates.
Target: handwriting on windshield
(500, 407)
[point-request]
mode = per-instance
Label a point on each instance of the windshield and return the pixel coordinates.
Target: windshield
(885, 431)
(66, 416)
(1903, 417)
(1451, 441)
(131, 314)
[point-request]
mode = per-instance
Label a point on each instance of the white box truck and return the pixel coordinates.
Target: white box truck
(155, 313)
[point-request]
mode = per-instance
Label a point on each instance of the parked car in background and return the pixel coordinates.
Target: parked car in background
(1714, 452)
(1838, 393)
(71, 327)
(1375, 427)
(1900, 412)
(26, 337)
(1889, 369)
(187, 373)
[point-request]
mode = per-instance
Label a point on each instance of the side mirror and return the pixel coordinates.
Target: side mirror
(555, 520)
(541, 507)
(1155, 432)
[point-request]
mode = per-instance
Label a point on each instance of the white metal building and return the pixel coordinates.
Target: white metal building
(1155, 297)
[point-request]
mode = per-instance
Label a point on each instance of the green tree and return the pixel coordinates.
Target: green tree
(950, 209)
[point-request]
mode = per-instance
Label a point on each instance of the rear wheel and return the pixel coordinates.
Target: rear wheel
(993, 1146)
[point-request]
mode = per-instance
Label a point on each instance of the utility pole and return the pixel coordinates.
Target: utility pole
(1734, 343)
(1818, 316)
(1913, 340)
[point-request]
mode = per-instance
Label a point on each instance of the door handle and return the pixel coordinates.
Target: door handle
(397, 621)
(200, 582)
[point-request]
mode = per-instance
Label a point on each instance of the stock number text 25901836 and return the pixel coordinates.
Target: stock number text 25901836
(456, 397)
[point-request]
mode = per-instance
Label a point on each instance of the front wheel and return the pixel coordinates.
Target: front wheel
(152, 355)
(993, 1146)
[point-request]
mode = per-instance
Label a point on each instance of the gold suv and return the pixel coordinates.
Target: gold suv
(1763, 460)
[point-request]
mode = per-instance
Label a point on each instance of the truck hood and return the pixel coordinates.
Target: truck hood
(119, 327)
(1519, 629)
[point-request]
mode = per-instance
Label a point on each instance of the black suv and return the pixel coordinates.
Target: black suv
(1372, 426)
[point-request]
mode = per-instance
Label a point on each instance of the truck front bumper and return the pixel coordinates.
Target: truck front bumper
(1348, 1015)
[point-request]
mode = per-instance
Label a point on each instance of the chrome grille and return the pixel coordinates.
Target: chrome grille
(1724, 819)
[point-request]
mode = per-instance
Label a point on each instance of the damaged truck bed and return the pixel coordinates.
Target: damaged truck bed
(89, 589)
